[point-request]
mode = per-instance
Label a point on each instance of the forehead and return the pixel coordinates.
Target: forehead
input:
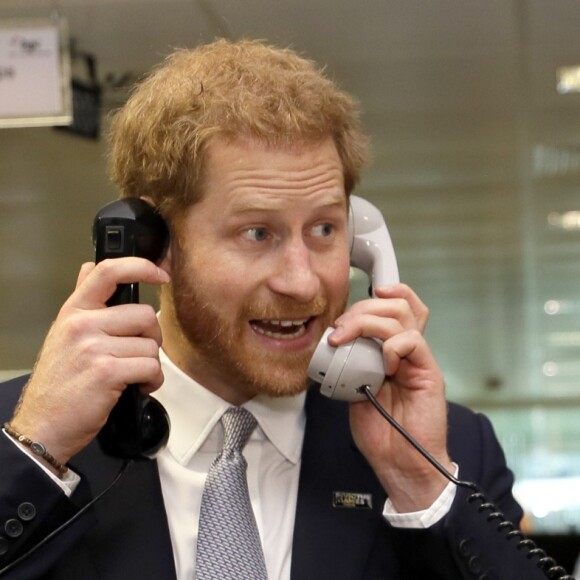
(247, 170)
(229, 156)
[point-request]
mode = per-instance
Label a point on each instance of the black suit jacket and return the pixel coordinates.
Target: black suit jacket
(125, 535)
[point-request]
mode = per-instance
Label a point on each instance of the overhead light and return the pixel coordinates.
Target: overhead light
(564, 339)
(542, 496)
(558, 159)
(568, 79)
(552, 307)
(568, 220)
(550, 369)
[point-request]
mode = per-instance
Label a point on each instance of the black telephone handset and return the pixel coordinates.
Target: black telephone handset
(342, 371)
(138, 425)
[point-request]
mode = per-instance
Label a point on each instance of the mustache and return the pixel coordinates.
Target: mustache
(284, 308)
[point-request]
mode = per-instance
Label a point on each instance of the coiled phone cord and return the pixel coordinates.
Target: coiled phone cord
(547, 564)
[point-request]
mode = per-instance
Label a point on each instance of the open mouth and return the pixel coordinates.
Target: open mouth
(280, 329)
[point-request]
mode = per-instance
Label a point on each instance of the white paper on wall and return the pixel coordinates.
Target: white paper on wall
(34, 74)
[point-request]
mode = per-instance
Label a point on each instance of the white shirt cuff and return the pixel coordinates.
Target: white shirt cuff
(69, 481)
(423, 518)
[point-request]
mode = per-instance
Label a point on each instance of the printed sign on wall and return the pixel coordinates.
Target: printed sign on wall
(34, 75)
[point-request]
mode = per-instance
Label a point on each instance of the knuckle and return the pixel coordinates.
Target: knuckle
(105, 369)
(75, 325)
(151, 325)
(152, 367)
(152, 349)
(90, 347)
(104, 268)
(415, 335)
(148, 313)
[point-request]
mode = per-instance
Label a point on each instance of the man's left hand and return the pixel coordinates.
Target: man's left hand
(413, 393)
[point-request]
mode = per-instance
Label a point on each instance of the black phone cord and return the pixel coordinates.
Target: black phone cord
(68, 522)
(547, 564)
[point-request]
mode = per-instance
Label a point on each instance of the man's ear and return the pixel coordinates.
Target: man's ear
(165, 263)
(148, 200)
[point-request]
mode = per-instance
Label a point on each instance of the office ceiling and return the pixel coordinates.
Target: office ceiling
(451, 88)
(413, 58)
(474, 147)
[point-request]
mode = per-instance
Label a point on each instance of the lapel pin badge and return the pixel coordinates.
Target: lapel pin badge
(352, 500)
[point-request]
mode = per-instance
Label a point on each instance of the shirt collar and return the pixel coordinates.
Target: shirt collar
(194, 411)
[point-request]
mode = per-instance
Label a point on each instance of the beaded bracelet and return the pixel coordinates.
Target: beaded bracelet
(36, 448)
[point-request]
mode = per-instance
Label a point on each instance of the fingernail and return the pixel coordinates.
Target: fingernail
(163, 275)
(337, 332)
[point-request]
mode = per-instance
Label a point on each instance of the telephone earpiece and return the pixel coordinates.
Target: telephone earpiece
(138, 425)
(371, 248)
(342, 371)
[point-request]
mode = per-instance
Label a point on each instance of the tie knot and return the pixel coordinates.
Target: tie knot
(238, 425)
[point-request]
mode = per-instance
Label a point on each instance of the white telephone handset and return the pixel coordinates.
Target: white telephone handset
(343, 370)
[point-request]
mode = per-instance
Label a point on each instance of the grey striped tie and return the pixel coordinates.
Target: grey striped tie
(228, 543)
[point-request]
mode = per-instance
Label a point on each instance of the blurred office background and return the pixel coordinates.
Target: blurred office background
(476, 133)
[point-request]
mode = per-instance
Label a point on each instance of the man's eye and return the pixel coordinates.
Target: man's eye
(256, 234)
(323, 230)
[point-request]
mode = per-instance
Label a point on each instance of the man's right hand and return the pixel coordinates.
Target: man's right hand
(90, 355)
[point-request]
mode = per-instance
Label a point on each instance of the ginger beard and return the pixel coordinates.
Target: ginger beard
(226, 343)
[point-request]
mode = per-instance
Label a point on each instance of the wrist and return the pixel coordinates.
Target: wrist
(414, 492)
(45, 429)
(37, 450)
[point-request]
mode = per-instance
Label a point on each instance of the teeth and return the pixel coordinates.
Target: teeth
(298, 324)
(285, 323)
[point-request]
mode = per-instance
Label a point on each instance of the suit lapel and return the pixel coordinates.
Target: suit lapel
(333, 542)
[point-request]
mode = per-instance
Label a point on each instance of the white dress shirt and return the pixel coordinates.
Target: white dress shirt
(273, 456)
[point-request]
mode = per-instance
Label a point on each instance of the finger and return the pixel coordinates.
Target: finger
(410, 346)
(85, 270)
(397, 308)
(127, 320)
(100, 284)
(151, 386)
(419, 309)
(143, 371)
(146, 387)
(366, 325)
(132, 347)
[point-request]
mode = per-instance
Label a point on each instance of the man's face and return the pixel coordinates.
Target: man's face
(259, 268)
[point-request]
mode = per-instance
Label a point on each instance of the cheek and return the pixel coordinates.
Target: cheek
(337, 277)
(225, 281)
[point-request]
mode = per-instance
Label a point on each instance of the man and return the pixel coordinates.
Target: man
(250, 154)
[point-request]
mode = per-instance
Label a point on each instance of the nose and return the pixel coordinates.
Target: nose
(294, 275)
